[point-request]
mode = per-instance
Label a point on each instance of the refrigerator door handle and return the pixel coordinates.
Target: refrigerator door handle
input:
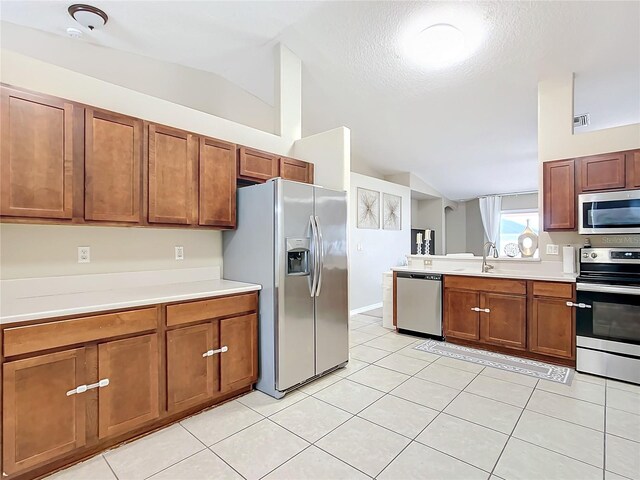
(314, 245)
(320, 248)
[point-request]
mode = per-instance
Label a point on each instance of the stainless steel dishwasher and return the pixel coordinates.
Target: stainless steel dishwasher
(419, 299)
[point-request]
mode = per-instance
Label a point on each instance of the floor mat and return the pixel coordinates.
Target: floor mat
(525, 366)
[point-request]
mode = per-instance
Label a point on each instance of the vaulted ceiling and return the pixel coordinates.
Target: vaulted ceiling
(469, 129)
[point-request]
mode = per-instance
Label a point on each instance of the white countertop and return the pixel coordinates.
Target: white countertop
(521, 275)
(19, 305)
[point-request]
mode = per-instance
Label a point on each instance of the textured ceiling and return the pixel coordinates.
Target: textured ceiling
(468, 130)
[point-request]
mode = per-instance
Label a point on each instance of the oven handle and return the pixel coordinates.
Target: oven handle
(597, 287)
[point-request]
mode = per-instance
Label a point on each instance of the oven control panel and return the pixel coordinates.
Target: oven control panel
(610, 255)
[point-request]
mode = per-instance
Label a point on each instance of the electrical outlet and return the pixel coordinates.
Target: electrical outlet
(179, 253)
(552, 249)
(84, 254)
(428, 262)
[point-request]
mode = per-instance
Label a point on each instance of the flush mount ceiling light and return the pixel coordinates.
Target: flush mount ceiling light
(88, 16)
(438, 45)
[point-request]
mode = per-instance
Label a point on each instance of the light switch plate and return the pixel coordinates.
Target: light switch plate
(552, 249)
(179, 253)
(84, 254)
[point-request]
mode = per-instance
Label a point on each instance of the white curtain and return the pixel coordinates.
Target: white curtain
(490, 208)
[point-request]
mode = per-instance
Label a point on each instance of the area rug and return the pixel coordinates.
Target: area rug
(532, 368)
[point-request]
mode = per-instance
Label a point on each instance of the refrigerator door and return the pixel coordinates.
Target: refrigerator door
(332, 315)
(295, 360)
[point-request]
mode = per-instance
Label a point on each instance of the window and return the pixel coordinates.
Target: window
(512, 224)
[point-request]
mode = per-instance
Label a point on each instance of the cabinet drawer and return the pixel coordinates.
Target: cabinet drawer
(502, 285)
(32, 338)
(212, 308)
(552, 289)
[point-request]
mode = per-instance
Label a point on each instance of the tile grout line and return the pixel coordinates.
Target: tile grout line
(174, 464)
(515, 425)
(429, 423)
(109, 465)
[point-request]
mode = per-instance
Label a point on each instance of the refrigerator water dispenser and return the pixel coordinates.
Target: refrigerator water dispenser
(298, 256)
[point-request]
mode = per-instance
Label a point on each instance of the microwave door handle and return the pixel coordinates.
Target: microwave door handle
(320, 247)
(313, 281)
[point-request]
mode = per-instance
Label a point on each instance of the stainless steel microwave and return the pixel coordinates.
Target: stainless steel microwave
(611, 212)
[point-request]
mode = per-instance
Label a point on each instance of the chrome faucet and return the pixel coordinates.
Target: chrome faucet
(485, 266)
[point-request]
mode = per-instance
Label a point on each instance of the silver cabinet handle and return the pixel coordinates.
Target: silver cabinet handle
(83, 388)
(475, 309)
(486, 310)
(211, 353)
(578, 305)
(320, 247)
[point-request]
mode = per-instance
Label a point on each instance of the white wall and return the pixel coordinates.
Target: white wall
(330, 152)
(51, 250)
(381, 249)
(186, 86)
(556, 141)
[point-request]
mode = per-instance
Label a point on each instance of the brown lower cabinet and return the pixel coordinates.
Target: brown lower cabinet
(526, 318)
(101, 389)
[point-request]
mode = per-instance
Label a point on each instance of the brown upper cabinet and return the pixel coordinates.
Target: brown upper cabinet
(37, 155)
(601, 172)
(172, 159)
(292, 169)
(113, 154)
(217, 183)
(256, 165)
(559, 195)
(633, 169)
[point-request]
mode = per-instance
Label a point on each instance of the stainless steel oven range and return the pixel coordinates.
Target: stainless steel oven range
(608, 313)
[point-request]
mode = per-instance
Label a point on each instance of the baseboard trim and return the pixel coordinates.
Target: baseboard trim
(366, 308)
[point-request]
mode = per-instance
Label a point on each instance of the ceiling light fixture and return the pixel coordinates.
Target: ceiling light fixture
(438, 45)
(88, 16)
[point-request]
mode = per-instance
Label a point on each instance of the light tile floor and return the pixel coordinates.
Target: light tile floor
(398, 413)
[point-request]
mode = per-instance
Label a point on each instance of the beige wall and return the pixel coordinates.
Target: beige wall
(430, 214)
(50, 250)
(474, 229)
(557, 141)
(455, 227)
(186, 86)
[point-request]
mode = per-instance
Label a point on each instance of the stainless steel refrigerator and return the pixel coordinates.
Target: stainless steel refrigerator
(291, 238)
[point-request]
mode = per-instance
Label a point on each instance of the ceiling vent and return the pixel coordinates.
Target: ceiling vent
(582, 120)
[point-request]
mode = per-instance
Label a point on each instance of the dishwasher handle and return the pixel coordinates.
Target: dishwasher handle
(420, 276)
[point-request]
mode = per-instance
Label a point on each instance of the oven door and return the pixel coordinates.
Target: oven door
(608, 331)
(608, 312)
(611, 212)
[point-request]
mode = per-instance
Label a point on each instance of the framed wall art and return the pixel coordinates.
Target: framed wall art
(391, 212)
(368, 209)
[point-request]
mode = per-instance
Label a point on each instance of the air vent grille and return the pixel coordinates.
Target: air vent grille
(581, 120)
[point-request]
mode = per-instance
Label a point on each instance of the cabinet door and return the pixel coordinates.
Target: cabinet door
(552, 328)
(504, 319)
(131, 398)
(217, 183)
(239, 364)
(601, 172)
(299, 171)
(461, 320)
(40, 421)
(257, 165)
(633, 169)
(113, 150)
(559, 195)
(172, 185)
(37, 156)
(192, 374)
